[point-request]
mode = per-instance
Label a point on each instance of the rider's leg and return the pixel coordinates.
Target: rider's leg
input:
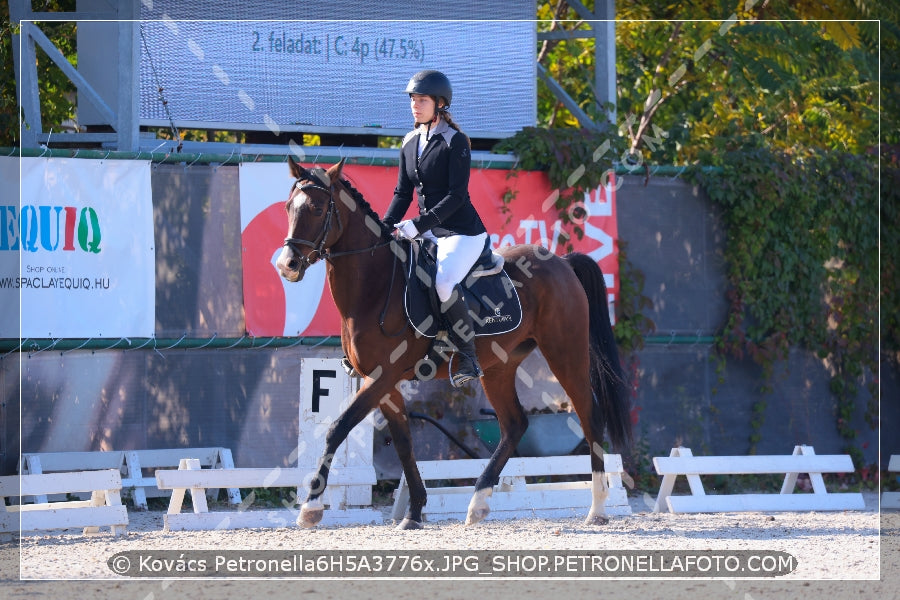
(456, 255)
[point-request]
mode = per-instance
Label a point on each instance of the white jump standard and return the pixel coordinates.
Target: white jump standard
(131, 464)
(104, 509)
(804, 460)
(514, 498)
(189, 476)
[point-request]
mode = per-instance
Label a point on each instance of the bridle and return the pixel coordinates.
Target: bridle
(318, 245)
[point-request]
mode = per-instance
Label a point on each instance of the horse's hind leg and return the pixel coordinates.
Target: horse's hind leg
(499, 384)
(574, 375)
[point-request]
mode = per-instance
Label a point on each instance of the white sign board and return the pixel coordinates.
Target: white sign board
(325, 391)
(82, 231)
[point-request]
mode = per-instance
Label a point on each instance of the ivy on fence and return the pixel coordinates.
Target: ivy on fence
(802, 256)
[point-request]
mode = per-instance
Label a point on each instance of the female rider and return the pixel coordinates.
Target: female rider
(434, 161)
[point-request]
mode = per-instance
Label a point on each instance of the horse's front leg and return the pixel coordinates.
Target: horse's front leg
(312, 511)
(394, 411)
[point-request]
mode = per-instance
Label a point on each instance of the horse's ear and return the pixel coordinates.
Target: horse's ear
(296, 170)
(334, 172)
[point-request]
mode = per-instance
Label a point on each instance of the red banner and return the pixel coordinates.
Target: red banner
(274, 307)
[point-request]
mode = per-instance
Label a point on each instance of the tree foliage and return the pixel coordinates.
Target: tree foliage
(56, 92)
(786, 105)
(719, 70)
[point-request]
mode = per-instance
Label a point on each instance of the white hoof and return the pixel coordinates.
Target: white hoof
(596, 519)
(311, 514)
(478, 507)
(599, 494)
(409, 525)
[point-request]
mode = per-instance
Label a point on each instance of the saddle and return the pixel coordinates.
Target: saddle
(489, 292)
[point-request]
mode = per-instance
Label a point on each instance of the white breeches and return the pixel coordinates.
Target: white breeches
(455, 255)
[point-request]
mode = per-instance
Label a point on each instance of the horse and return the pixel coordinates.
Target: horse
(565, 314)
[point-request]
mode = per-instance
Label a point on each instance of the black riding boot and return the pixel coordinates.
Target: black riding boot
(464, 363)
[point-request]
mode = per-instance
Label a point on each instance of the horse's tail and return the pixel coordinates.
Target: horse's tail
(612, 409)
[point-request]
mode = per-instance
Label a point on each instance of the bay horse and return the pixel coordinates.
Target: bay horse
(565, 314)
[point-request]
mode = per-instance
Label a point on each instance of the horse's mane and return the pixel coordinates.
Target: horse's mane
(363, 204)
(356, 195)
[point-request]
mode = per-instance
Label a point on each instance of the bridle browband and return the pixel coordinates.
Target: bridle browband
(318, 246)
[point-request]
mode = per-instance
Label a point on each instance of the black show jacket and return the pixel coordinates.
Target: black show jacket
(440, 177)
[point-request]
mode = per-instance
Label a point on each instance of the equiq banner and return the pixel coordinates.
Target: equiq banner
(275, 307)
(83, 231)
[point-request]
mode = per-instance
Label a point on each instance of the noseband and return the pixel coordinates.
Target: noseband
(318, 246)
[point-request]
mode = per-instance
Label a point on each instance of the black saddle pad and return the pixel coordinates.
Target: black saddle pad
(493, 298)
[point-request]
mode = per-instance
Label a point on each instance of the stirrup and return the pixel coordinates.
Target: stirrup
(460, 378)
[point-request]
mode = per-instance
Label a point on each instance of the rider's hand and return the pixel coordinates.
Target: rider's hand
(407, 229)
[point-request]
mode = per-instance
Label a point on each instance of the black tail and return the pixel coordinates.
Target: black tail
(612, 402)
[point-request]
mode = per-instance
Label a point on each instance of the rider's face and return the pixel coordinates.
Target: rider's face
(422, 107)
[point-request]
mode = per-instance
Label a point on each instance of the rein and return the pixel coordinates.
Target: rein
(387, 302)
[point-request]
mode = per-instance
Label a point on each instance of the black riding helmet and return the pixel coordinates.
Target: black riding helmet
(431, 83)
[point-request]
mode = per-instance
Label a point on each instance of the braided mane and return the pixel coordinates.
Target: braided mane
(366, 207)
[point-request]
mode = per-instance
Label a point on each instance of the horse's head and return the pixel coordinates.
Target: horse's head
(314, 222)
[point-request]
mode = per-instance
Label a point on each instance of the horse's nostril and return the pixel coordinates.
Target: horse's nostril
(293, 264)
